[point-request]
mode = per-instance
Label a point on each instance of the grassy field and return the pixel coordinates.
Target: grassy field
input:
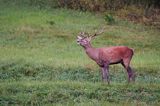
(41, 64)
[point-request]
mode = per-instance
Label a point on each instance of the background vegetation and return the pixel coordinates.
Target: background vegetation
(41, 64)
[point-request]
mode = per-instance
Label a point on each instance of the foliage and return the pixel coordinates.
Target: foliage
(109, 19)
(101, 5)
(33, 3)
(89, 5)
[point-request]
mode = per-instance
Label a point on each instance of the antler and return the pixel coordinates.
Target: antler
(98, 32)
(86, 34)
(83, 34)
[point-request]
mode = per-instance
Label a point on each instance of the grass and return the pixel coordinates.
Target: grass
(75, 92)
(41, 64)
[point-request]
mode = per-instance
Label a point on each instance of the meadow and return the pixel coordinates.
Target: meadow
(41, 63)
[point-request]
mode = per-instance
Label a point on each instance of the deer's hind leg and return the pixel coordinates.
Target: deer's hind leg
(126, 65)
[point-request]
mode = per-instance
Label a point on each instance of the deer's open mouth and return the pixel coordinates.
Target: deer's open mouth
(78, 42)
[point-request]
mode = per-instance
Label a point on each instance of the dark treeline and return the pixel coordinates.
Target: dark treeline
(102, 5)
(87, 5)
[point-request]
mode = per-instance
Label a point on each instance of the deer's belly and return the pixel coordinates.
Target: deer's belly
(102, 62)
(115, 62)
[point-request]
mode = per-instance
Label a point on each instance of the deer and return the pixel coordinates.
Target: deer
(105, 56)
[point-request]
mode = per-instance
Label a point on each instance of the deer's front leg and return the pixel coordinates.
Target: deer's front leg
(105, 73)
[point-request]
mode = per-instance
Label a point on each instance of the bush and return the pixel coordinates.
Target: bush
(84, 5)
(102, 5)
(109, 19)
(34, 3)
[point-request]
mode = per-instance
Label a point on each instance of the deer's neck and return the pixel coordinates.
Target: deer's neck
(92, 52)
(87, 46)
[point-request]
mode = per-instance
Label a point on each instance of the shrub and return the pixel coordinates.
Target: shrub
(109, 19)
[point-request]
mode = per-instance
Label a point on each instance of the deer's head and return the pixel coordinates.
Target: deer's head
(84, 38)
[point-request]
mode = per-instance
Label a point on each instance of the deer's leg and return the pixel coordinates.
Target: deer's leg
(105, 73)
(131, 74)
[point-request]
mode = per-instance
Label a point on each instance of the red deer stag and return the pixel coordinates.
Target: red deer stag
(106, 56)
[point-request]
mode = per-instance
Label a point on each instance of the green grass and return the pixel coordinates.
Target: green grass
(73, 92)
(41, 64)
